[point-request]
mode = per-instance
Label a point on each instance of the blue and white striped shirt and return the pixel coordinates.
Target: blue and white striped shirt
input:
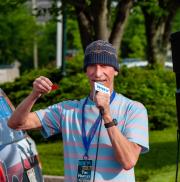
(66, 117)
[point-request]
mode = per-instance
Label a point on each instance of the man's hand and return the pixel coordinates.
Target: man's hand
(41, 85)
(22, 117)
(102, 101)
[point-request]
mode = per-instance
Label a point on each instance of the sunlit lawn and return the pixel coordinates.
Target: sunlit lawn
(159, 165)
(51, 156)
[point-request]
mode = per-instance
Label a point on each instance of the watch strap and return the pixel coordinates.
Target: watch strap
(110, 124)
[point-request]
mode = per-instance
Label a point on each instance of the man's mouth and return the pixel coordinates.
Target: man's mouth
(99, 81)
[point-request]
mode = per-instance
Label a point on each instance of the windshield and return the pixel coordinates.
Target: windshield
(7, 135)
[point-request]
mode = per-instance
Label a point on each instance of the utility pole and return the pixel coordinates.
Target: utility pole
(63, 70)
(59, 37)
(35, 44)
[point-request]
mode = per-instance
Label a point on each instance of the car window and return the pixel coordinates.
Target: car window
(7, 135)
(5, 110)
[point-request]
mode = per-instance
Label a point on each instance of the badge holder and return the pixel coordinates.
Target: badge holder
(84, 169)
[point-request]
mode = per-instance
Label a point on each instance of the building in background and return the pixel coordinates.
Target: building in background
(8, 73)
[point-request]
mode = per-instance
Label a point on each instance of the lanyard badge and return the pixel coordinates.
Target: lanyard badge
(85, 165)
(88, 139)
(84, 170)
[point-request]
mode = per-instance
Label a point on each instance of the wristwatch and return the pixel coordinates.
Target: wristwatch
(110, 124)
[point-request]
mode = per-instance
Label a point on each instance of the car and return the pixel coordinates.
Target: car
(19, 159)
(134, 62)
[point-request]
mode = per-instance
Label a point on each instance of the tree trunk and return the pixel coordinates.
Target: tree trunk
(93, 20)
(85, 28)
(158, 29)
(100, 14)
(123, 9)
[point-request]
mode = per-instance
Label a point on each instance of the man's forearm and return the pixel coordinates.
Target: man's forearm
(126, 152)
(21, 117)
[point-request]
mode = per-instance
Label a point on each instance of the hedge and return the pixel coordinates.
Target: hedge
(154, 88)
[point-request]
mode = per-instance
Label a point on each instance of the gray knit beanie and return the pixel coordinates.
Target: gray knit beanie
(101, 52)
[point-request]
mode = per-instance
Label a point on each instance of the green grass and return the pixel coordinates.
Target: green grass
(158, 165)
(51, 157)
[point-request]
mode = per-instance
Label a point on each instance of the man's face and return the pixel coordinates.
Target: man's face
(101, 73)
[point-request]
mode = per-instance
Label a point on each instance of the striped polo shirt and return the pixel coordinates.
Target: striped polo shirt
(66, 118)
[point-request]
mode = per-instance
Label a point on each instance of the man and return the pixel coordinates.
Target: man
(103, 134)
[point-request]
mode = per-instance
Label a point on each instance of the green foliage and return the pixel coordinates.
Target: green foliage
(176, 22)
(46, 37)
(154, 88)
(134, 41)
(18, 30)
(22, 86)
(74, 65)
(47, 41)
(7, 6)
(155, 7)
(73, 35)
(136, 47)
(16, 35)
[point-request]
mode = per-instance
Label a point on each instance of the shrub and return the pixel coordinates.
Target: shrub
(154, 88)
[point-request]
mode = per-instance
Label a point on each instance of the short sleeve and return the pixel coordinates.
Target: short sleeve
(136, 129)
(50, 119)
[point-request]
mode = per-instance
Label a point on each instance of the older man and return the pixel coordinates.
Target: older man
(103, 134)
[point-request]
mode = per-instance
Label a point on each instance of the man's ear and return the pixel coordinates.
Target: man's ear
(86, 73)
(116, 73)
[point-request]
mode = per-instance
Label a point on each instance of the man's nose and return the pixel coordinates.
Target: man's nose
(98, 71)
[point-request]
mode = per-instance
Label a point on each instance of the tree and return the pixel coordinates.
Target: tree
(47, 44)
(159, 15)
(17, 29)
(7, 6)
(134, 40)
(106, 19)
(176, 22)
(102, 19)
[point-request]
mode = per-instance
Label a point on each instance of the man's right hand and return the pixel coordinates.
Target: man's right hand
(22, 117)
(41, 85)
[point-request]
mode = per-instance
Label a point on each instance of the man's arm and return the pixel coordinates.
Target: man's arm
(22, 117)
(126, 152)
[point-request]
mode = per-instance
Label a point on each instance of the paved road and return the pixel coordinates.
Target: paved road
(48, 178)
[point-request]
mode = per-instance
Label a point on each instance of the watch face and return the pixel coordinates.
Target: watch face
(115, 122)
(110, 124)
